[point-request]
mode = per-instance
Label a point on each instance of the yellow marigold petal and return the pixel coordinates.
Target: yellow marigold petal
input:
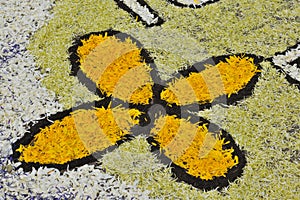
(142, 95)
(134, 114)
(89, 45)
(224, 78)
(135, 86)
(110, 62)
(78, 135)
(193, 147)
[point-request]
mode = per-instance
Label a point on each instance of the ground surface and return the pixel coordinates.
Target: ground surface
(35, 81)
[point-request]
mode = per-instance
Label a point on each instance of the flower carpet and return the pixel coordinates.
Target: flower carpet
(150, 99)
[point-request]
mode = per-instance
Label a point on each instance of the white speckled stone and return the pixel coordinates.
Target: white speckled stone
(22, 100)
(282, 61)
(142, 11)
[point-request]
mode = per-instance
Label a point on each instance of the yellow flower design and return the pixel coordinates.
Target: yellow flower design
(116, 67)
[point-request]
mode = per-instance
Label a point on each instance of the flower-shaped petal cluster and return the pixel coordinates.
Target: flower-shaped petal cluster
(116, 67)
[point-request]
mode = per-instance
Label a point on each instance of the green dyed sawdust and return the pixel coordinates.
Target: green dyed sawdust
(266, 124)
(271, 138)
(50, 44)
(187, 36)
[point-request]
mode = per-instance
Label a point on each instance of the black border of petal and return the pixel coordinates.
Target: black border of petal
(35, 129)
(176, 3)
(134, 15)
(198, 67)
(217, 182)
(76, 71)
(147, 119)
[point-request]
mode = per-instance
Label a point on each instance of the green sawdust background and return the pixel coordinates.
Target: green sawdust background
(266, 124)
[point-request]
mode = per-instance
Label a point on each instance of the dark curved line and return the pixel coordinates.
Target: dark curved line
(218, 182)
(77, 162)
(134, 14)
(176, 3)
(296, 61)
(35, 129)
(82, 77)
(197, 68)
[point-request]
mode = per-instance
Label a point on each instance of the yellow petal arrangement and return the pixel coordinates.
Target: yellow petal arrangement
(78, 135)
(224, 78)
(194, 148)
(201, 153)
(117, 59)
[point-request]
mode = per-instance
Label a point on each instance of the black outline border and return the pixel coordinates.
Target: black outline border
(176, 3)
(291, 80)
(146, 121)
(35, 129)
(198, 67)
(76, 71)
(134, 15)
(217, 182)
